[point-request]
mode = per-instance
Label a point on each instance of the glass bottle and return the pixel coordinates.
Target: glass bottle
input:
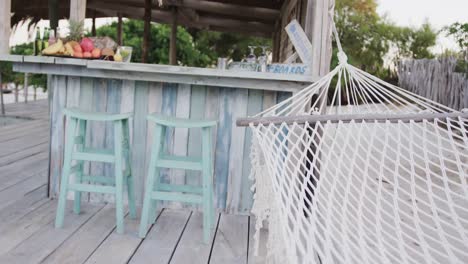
(38, 42)
(251, 58)
(45, 41)
(52, 39)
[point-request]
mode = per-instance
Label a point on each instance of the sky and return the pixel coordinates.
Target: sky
(439, 13)
(413, 13)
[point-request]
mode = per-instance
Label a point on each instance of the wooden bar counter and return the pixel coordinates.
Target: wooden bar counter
(185, 92)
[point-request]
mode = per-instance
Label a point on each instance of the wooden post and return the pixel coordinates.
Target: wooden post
(25, 87)
(93, 26)
(16, 92)
(77, 10)
(173, 41)
(53, 14)
(35, 93)
(119, 29)
(146, 32)
(5, 27)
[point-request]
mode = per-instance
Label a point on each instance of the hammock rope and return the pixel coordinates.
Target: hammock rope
(375, 174)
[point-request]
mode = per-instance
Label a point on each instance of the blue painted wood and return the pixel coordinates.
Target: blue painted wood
(139, 137)
(197, 111)
(169, 103)
(223, 146)
(254, 105)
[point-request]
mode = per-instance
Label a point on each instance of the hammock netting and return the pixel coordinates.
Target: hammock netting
(355, 170)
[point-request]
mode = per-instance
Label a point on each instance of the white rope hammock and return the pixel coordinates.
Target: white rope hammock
(375, 175)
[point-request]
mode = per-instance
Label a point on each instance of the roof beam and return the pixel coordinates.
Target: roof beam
(258, 13)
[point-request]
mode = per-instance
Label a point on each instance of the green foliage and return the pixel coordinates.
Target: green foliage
(367, 38)
(194, 48)
(460, 32)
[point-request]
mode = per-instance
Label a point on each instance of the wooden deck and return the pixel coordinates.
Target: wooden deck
(27, 215)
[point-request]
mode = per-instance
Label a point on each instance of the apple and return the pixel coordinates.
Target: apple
(77, 48)
(87, 44)
(87, 54)
(78, 54)
(96, 53)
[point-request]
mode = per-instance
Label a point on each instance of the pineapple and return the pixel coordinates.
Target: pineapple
(76, 30)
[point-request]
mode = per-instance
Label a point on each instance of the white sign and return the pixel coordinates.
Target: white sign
(300, 41)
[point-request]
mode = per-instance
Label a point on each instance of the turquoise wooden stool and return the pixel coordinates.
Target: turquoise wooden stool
(83, 183)
(155, 190)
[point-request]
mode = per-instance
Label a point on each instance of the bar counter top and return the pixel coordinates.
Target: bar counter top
(158, 72)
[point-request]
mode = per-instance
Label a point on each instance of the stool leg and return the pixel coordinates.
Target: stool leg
(147, 201)
(130, 185)
(70, 134)
(207, 186)
(118, 129)
(80, 164)
(157, 174)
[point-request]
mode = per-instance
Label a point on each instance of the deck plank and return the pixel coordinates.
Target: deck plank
(38, 246)
(18, 191)
(34, 166)
(83, 243)
(14, 233)
(118, 248)
(230, 244)
(191, 248)
(160, 243)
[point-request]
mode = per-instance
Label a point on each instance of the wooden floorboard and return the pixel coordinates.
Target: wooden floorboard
(191, 248)
(84, 242)
(231, 241)
(41, 244)
(162, 240)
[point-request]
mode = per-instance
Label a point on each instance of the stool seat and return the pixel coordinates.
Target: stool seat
(181, 122)
(93, 116)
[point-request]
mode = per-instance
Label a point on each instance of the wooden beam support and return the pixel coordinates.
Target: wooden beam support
(77, 10)
(173, 41)
(146, 31)
(53, 14)
(119, 29)
(93, 26)
(261, 13)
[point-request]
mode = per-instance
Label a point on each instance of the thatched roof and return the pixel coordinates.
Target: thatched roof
(252, 17)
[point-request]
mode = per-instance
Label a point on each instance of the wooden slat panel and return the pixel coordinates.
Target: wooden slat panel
(162, 239)
(230, 245)
(73, 100)
(197, 111)
(254, 106)
(57, 131)
(169, 103)
(98, 131)
(223, 140)
(190, 248)
(238, 109)
(139, 136)
(181, 134)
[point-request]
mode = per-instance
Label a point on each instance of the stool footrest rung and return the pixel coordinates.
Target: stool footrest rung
(99, 179)
(176, 197)
(91, 188)
(177, 162)
(98, 156)
(179, 188)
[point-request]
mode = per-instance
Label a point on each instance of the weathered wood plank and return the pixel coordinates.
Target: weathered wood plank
(254, 106)
(223, 147)
(169, 103)
(190, 248)
(82, 244)
(197, 111)
(181, 134)
(16, 232)
(230, 245)
(33, 166)
(238, 109)
(18, 191)
(162, 240)
(42, 243)
(260, 258)
(118, 248)
(139, 137)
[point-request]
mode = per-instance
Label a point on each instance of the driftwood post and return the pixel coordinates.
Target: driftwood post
(25, 87)
(146, 31)
(5, 25)
(53, 14)
(16, 92)
(119, 29)
(173, 43)
(77, 10)
(93, 26)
